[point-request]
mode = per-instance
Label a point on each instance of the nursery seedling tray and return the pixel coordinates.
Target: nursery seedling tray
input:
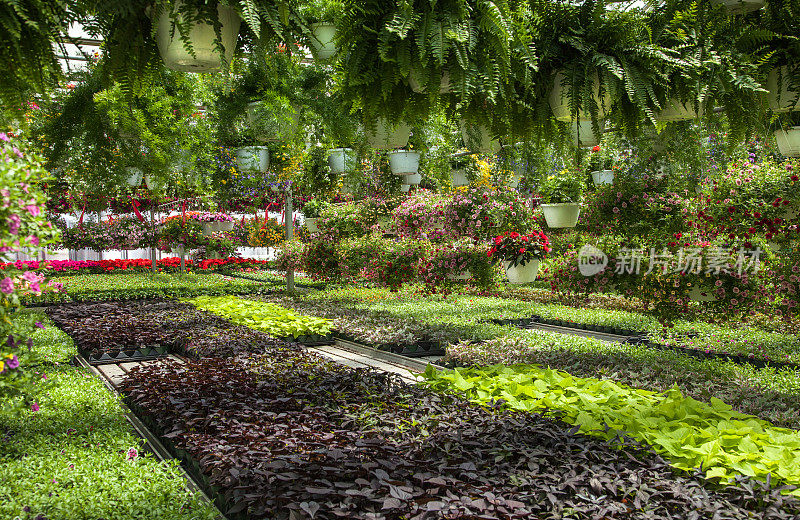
(125, 355)
(421, 349)
(312, 340)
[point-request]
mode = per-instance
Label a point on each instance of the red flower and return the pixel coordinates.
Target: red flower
(596, 148)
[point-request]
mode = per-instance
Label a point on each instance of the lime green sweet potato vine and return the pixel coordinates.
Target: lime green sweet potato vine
(686, 432)
(267, 317)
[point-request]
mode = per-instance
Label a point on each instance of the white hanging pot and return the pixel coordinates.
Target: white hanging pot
(741, 6)
(386, 136)
(206, 58)
(341, 160)
(583, 135)
(521, 273)
(414, 179)
(603, 177)
(322, 40)
(702, 294)
(405, 187)
(563, 215)
(477, 138)
(252, 110)
(559, 101)
(458, 178)
(135, 176)
(347, 189)
(676, 110)
(311, 224)
(225, 225)
(404, 162)
(210, 228)
(789, 141)
(418, 82)
(781, 99)
(252, 158)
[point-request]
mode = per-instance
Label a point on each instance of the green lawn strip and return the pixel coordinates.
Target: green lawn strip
(70, 458)
(120, 286)
(468, 311)
(689, 433)
(769, 393)
(267, 317)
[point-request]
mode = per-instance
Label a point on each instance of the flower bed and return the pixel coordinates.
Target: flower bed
(108, 328)
(77, 449)
(171, 264)
(290, 432)
(273, 319)
(769, 393)
(690, 434)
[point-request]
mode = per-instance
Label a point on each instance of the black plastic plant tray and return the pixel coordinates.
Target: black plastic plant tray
(421, 349)
(312, 340)
(125, 355)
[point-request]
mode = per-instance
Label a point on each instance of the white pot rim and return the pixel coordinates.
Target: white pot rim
(340, 150)
(561, 204)
(397, 152)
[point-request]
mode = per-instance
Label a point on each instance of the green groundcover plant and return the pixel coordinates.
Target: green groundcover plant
(689, 433)
(72, 454)
(267, 317)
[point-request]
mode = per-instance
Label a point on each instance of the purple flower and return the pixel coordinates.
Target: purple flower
(38, 325)
(7, 285)
(12, 363)
(35, 407)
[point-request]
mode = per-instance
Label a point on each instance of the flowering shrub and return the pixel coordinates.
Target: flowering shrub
(519, 249)
(290, 256)
(22, 225)
(569, 284)
(480, 212)
(355, 254)
(320, 260)
(339, 222)
(753, 199)
(420, 215)
(710, 273)
(399, 265)
(784, 295)
(445, 261)
(636, 206)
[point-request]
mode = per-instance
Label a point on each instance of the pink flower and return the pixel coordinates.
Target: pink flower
(35, 407)
(7, 285)
(132, 454)
(33, 210)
